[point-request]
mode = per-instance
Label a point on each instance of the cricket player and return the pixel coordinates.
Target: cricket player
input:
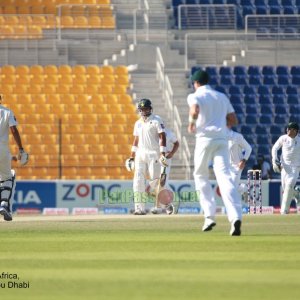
(209, 113)
(7, 175)
(148, 152)
(239, 153)
(288, 164)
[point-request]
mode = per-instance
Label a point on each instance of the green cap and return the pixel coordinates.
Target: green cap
(201, 76)
(293, 125)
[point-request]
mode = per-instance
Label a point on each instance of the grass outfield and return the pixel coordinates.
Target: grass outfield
(150, 257)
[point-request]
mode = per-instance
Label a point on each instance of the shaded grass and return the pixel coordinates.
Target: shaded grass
(150, 257)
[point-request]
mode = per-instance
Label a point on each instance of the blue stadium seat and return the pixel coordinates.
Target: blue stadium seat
(235, 2)
(236, 99)
(283, 80)
(295, 110)
(282, 70)
(251, 109)
(275, 129)
(264, 99)
(291, 90)
(294, 118)
(295, 70)
(287, 2)
(296, 80)
(238, 108)
(274, 138)
(204, 2)
(260, 2)
(221, 89)
(251, 119)
(240, 70)
(275, 10)
(211, 71)
(274, 2)
(262, 9)
(280, 119)
(280, 109)
(268, 70)
(241, 80)
(260, 129)
(254, 70)
(289, 10)
(218, 1)
(226, 80)
(249, 90)
(290, 33)
(246, 2)
(176, 2)
(262, 139)
(293, 99)
(245, 129)
(264, 149)
(241, 118)
(269, 80)
(266, 109)
(250, 99)
(234, 90)
(279, 99)
(265, 119)
(255, 80)
(263, 90)
(278, 90)
(214, 80)
(225, 71)
(248, 10)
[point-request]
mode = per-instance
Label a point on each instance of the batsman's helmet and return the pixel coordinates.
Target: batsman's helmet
(293, 125)
(145, 107)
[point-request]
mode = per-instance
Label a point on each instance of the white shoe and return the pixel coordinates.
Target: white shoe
(139, 212)
(170, 210)
(208, 224)
(236, 228)
(156, 210)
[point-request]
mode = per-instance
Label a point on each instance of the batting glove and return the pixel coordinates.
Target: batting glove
(23, 157)
(163, 161)
(129, 164)
(276, 166)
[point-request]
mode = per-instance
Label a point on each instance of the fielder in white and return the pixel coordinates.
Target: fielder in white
(210, 112)
(288, 164)
(148, 152)
(7, 175)
(239, 153)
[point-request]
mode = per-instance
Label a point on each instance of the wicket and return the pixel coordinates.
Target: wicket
(256, 195)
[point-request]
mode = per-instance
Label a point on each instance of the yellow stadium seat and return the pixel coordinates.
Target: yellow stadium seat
(50, 9)
(101, 108)
(57, 109)
(49, 89)
(110, 98)
(35, 2)
(93, 70)
(103, 1)
(81, 22)
(66, 22)
(102, 128)
(26, 10)
(68, 149)
(121, 71)
(76, 119)
(78, 70)
(114, 108)
(124, 99)
(119, 119)
(20, 89)
(78, 89)
(64, 70)
(38, 9)
(90, 119)
(51, 78)
(46, 129)
(122, 139)
(96, 149)
(69, 172)
(80, 79)
(72, 109)
(91, 138)
(77, 139)
(119, 89)
(105, 118)
(25, 20)
(10, 9)
(35, 32)
(22, 79)
(70, 160)
(37, 79)
(38, 20)
(108, 22)
(67, 99)
(107, 78)
(94, 22)
(82, 99)
(20, 32)
(8, 70)
(88, 128)
(105, 89)
(124, 149)
(94, 79)
(128, 109)
(8, 79)
(107, 70)
(122, 79)
(50, 139)
(7, 89)
(50, 70)
(96, 99)
(22, 70)
(110, 149)
(54, 99)
(43, 108)
(81, 149)
(63, 89)
(91, 89)
(48, 118)
(23, 99)
(35, 89)
(36, 70)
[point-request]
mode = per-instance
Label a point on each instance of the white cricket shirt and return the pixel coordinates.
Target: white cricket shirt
(214, 107)
(238, 147)
(290, 150)
(7, 119)
(148, 131)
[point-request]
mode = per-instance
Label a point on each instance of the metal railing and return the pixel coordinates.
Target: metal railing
(207, 17)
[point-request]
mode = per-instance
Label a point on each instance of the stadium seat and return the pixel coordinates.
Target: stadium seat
(263, 90)
(283, 80)
(246, 130)
(254, 70)
(291, 90)
(292, 99)
(261, 130)
(278, 90)
(282, 70)
(266, 109)
(279, 99)
(280, 119)
(295, 70)
(241, 80)
(269, 80)
(265, 119)
(251, 119)
(250, 99)
(249, 90)
(240, 70)
(255, 80)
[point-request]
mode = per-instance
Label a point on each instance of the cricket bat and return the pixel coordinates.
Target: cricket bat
(160, 185)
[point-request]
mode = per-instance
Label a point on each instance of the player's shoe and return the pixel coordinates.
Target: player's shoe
(5, 211)
(156, 210)
(170, 209)
(139, 212)
(208, 224)
(236, 228)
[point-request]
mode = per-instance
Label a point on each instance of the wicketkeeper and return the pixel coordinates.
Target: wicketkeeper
(148, 152)
(7, 176)
(288, 164)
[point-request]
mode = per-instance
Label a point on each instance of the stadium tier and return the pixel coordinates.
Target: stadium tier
(265, 99)
(75, 121)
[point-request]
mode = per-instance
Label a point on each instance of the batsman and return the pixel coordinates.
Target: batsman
(148, 153)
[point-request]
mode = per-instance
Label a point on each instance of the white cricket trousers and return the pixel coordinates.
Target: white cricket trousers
(289, 176)
(146, 166)
(216, 151)
(5, 163)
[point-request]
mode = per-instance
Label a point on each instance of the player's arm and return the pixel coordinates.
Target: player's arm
(275, 160)
(23, 156)
(134, 146)
(174, 149)
(232, 119)
(193, 116)
(248, 149)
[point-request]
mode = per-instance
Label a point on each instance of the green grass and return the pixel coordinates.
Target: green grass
(152, 258)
